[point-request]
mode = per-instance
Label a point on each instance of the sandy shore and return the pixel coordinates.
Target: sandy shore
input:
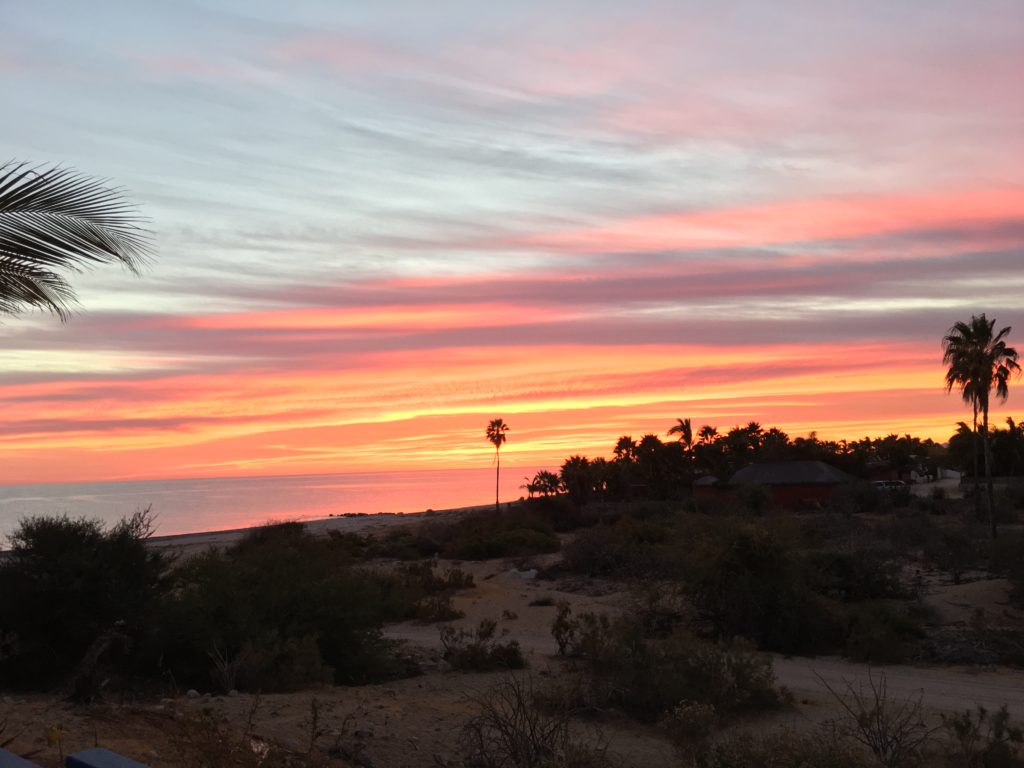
(190, 543)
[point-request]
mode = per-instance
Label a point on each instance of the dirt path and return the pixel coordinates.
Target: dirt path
(944, 689)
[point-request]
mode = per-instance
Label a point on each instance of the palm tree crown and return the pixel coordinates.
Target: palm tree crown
(683, 428)
(54, 220)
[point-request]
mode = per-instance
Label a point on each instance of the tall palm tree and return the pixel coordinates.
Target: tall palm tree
(54, 220)
(683, 428)
(979, 361)
(496, 430)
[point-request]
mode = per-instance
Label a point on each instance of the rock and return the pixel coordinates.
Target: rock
(192, 693)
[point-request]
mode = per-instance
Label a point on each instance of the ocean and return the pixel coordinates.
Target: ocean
(186, 506)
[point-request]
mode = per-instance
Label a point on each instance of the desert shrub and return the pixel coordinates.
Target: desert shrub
(624, 548)
(558, 511)
(649, 676)
(892, 730)
(484, 536)
(75, 593)
(423, 577)
(911, 532)
(478, 650)
(434, 608)
(853, 574)
(514, 542)
(782, 749)
(881, 634)
(542, 602)
(201, 737)
(861, 498)
(279, 579)
(273, 663)
(582, 635)
(954, 550)
(746, 581)
(404, 544)
(1006, 556)
(689, 725)
(511, 731)
(755, 499)
(981, 739)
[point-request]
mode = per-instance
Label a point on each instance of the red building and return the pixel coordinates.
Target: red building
(791, 484)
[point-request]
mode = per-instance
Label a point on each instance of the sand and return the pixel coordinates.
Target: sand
(184, 544)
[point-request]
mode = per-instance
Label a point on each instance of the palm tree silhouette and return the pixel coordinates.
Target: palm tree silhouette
(979, 361)
(707, 434)
(683, 428)
(496, 430)
(54, 220)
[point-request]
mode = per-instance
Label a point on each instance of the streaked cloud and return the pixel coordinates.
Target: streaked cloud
(382, 224)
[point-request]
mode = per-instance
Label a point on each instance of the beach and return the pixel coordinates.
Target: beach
(363, 523)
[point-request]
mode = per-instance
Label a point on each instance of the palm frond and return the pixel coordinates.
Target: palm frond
(53, 220)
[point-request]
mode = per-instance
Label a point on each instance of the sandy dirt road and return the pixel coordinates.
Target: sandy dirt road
(944, 689)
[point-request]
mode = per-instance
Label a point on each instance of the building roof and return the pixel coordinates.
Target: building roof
(791, 473)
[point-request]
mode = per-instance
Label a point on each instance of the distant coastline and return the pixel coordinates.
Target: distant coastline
(206, 505)
(353, 522)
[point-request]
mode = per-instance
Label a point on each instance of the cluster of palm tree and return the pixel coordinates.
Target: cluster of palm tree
(650, 468)
(979, 363)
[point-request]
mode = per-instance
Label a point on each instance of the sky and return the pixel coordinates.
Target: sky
(381, 225)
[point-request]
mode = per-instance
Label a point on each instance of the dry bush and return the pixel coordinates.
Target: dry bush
(892, 730)
(511, 731)
(478, 651)
(782, 749)
(981, 739)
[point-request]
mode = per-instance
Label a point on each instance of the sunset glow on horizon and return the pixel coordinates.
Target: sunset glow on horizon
(381, 226)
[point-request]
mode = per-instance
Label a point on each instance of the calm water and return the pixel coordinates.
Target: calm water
(183, 506)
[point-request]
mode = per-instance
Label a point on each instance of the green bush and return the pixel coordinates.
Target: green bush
(74, 595)
(745, 581)
(281, 581)
(650, 676)
(623, 548)
(853, 574)
(517, 532)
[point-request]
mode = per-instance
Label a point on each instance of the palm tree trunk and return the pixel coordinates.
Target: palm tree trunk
(977, 492)
(988, 468)
(497, 477)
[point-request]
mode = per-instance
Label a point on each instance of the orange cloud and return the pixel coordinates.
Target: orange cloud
(795, 221)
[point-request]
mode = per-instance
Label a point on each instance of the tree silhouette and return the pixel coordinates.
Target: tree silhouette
(625, 448)
(683, 428)
(979, 361)
(707, 434)
(53, 221)
(496, 430)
